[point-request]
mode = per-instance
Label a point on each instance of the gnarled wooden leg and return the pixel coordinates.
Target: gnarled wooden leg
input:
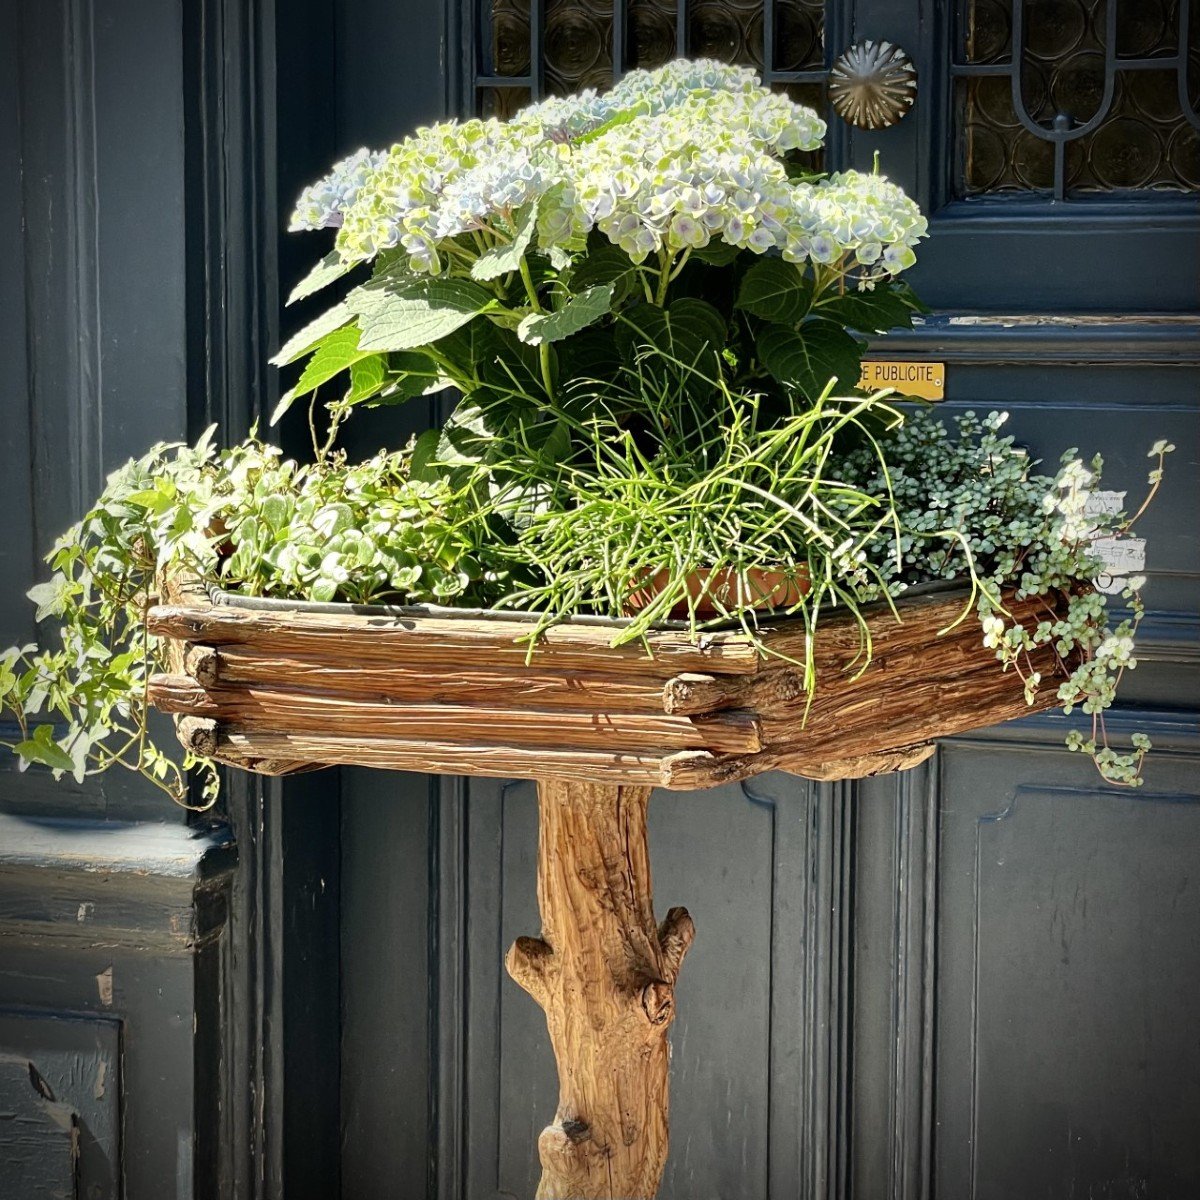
(604, 973)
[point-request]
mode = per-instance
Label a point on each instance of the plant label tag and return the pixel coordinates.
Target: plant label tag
(1104, 504)
(1121, 557)
(926, 380)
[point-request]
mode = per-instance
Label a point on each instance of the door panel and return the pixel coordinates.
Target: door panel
(1067, 1061)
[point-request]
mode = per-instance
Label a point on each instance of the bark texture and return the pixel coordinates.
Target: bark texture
(604, 973)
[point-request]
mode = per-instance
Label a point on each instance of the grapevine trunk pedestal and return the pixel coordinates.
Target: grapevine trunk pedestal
(275, 689)
(604, 973)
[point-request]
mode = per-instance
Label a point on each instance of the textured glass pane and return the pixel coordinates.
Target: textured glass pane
(1143, 140)
(577, 40)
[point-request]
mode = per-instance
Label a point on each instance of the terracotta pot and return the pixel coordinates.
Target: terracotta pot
(760, 589)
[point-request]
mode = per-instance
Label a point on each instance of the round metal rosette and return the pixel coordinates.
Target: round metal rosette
(873, 85)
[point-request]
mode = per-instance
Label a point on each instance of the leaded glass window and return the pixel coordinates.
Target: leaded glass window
(1077, 96)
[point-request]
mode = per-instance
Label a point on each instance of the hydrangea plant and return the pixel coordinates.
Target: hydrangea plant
(509, 259)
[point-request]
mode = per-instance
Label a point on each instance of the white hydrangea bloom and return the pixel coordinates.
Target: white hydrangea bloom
(668, 160)
(322, 204)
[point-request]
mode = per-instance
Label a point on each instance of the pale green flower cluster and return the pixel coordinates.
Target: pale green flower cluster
(322, 204)
(666, 162)
(864, 217)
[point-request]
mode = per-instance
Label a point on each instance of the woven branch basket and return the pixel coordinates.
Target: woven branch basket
(278, 690)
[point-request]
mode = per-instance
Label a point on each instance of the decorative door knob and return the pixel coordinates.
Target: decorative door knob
(873, 85)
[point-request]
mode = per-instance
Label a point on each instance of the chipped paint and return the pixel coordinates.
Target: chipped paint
(104, 986)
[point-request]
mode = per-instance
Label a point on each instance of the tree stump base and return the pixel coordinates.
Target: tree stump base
(604, 973)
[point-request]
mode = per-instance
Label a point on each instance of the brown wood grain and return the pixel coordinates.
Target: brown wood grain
(252, 708)
(386, 641)
(466, 684)
(426, 694)
(604, 974)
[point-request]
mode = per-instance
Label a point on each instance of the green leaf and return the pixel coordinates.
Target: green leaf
(776, 291)
(421, 466)
(499, 260)
(42, 748)
(604, 263)
(624, 117)
(409, 374)
(717, 254)
(50, 597)
(686, 332)
(886, 307)
(367, 376)
(337, 351)
(808, 358)
(578, 313)
(302, 342)
(329, 269)
(404, 311)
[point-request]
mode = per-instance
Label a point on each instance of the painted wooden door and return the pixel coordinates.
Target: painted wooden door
(977, 979)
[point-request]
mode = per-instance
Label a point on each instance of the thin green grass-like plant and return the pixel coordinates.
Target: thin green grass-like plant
(677, 479)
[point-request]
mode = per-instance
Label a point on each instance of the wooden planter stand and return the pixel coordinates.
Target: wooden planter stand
(597, 727)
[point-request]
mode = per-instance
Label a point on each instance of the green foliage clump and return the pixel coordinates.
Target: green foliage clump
(1021, 535)
(246, 518)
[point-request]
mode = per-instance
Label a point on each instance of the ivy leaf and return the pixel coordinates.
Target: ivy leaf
(50, 597)
(336, 351)
(329, 269)
(809, 357)
(403, 312)
(42, 748)
(304, 341)
(499, 260)
(578, 313)
(776, 291)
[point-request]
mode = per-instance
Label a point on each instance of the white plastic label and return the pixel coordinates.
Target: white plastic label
(1121, 557)
(1104, 504)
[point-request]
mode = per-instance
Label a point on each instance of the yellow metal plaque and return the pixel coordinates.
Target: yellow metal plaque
(924, 379)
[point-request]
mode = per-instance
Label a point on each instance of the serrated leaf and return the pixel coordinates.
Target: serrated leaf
(717, 254)
(367, 377)
(578, 313)
(499, 260)
(329, 269)
(876, 311)
(684, 332)
(336, 351)
(809, 357)
(624, 117)
(409, 374)
(776, 291)
(302, 342)
(404, 312)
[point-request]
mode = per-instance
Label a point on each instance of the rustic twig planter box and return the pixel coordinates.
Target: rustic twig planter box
(278, 690)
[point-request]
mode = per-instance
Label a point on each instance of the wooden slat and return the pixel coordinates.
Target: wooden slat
(279, 691)
(235, 665)
(284, 753)
(252, 708)
(430, 641)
